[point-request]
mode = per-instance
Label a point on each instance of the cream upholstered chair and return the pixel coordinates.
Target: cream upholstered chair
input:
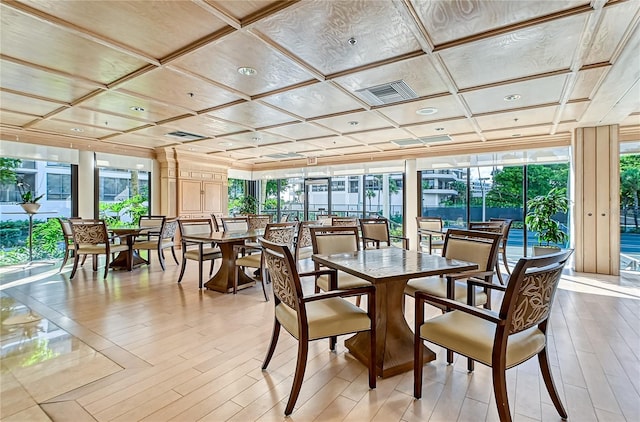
(466, 245)
(506, 228)
(500, 340)
(235, 224)
(307, 318)
(258, 221)
(163, 240)
(328, 240)
(150, 225)
(196, 251)
(344, 221)
(304, 245)
(375, 234)
(430, 233)
(91, 238)
(281, 233)
(492, 227)
(69, 244)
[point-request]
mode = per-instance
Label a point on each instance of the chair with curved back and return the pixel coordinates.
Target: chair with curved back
(304, 245)
(430, 233)
(91, 238)
(258, 221)
(163, 240)
(150, 225)
(344, 221)
(491, 227)
(502, 340)
(195, 251)
(506, 228)
(235, 224)
(314, 316)
(281, 233)
(69, 244)
(375, 234)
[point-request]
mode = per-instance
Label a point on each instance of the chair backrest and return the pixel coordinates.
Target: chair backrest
(529, 296)
(235, 224)
(506, 227)
(474, 246)
(344, 221)
(216, 224)
(331, 239)
(255, 222)
(283, 273)
(169, 228)
(284, 218)
(430, 223)
(195, 226)
(281, 233)
(89, 232)
(376, 230)
(487, 226)
(324, 219)
(66, 229)
(151, 222)
(303, 239)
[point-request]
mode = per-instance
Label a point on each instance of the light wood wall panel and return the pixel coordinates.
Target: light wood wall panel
(597, 198)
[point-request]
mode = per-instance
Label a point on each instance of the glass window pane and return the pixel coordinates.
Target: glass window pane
(444, 195)
(630, 212)
(123, 196)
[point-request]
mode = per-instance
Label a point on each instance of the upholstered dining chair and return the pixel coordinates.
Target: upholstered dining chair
(466, 245)
(430, 233)
(329, 240)
(91, 238)
(493, 227)
(375, 234)
(195, 251)
(163, 240)
(235, 224)
(506, 228)
(150, 225)
(282, 233)
(502, 340)
(258, 221)
(313, 317)
(344, 221)
(69, 244)
(304, 246)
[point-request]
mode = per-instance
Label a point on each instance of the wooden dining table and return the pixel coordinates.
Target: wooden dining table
(389, 269)
(130, 259)
(222, 280)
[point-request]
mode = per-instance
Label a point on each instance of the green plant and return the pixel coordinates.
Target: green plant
(540, 220)
(27, 196)
(247, 205)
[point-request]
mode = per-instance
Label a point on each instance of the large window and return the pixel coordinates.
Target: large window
(630, 212)
(58, 186)
(123, 196)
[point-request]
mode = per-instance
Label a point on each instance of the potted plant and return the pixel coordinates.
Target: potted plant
(29, 199)
(540, 220)
(248, 205)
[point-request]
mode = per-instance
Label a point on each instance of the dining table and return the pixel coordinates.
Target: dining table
(222, 280)
(389, 269)
(129, 259)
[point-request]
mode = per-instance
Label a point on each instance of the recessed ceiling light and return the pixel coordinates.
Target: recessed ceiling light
(512, 97)
(439, 129)
(352, 41)
(77, 129)
(354, 123)
(247, 71)
(137, 108)
(427, 111)
(256, 139)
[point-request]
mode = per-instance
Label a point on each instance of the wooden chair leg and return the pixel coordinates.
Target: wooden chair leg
(94, 261)
(543, 360)
(84, 258)
(418, 357)
(76, 258)
(500, 393)
(272, 346)
(236, 275)
(160, 257)
(504, 259)
(499, 273)
(175, 258)
(200, 273)
(373, 357)
(106, 265)
(264, 280)
(333, 340)
(184, 266)
(67, 252)
(301, 365)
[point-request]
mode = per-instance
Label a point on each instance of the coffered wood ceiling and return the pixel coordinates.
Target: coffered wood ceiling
(73, 71)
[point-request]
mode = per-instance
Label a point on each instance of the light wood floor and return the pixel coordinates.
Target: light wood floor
(139, 347)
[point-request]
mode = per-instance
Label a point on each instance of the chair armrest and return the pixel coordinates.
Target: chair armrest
(468, 274)
(482, 283)
(485, 314)
(318, 272)
(356, 291)
(247, 247)
(404, 240)
(366, 240)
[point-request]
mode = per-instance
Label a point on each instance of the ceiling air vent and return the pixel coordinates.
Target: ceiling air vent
(435, 138)
(284, 155)
(421, 141)
(407, 142)
(388, 93)
(185, 136)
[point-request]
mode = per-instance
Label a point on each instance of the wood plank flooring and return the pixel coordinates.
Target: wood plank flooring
(139, 347)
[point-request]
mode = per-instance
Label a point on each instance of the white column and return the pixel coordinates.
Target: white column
(86, 194)
(411, 202)
(385, 195)
(156, 190)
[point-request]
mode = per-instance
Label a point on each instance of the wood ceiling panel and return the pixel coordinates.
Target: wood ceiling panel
(333, 142)
(574, 111)
(254, 139)
(357, 149)
(134, 139)
(586, 81)
(37, 82)
(520, 132)
(528, 51)
(449, 127)
(252, 114)
(451, 20)
(613, 26)
(14, 119)
(314, 100)
(66, 128)
(531, 92)
(118, 103)
(404, 114)
(49, 46)
(240, 9)
(82, 117)
(203, 125)
(141, 25)
(366, 121)
(418, 73)
(26, 105)
(220, 62)
(318, 32)
(538, 116)
(300, 131)
(377, 136)
(179, 89)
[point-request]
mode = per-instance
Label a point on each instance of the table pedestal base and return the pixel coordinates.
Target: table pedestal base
(222, 280)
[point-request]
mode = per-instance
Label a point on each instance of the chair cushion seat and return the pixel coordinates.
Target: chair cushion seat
(473, 337)
(252, 261)
(100, 249)
(151, 244)
(345, 281)
(207, 254)
(328, 317)
(437, 286)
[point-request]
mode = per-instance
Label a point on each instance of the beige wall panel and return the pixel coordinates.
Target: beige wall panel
(189, 196)
(614, 202)
(603, 194)
(589, 200)
(172, 194)
(578, 170)
(213, 197)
